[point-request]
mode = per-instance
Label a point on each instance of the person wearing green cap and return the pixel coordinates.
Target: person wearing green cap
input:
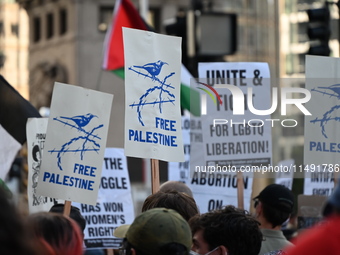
(158, 231)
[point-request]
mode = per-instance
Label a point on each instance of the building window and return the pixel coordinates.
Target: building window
(49, 25)
(302, 32)
(15, 29)
(36, 29)
(105, 17)
(62, 21)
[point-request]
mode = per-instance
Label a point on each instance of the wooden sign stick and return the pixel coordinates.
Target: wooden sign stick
(154, 175)
(240, 190)
(67, 207)
(109, 252)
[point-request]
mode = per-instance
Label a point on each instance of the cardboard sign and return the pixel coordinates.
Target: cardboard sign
(75, 144)
(152, 90)
(36, 137)
(310, 210)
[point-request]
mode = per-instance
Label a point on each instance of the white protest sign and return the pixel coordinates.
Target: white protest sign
(222, 186)
(179, 171)
(322, 144)
(75, 144)
(318, 183)
(36, 136)
(114, 204)
(209, 194)
(192, 137)
(235, 140)
(209, 202)
(197, 154)
(285, 176)
(152, 90)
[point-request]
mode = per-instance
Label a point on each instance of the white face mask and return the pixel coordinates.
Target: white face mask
(195, 253)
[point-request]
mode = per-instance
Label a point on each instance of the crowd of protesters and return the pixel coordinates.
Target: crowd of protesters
(170, 224)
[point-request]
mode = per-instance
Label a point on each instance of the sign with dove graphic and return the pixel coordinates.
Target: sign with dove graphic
(152, 95)
(75, 144)
(322, 128)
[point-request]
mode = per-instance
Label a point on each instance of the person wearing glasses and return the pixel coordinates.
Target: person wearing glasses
(228, 231)
(158, 231)
(273, 206)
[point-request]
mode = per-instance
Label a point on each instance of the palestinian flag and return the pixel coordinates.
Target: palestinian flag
(126, 15)
(14, 112)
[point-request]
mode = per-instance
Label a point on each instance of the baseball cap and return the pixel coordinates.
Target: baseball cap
(277, 196)
(332, 202)
(120, 231)
(157, 227)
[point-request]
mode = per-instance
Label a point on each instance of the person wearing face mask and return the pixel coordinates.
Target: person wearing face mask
(273, 206)
(228, 231)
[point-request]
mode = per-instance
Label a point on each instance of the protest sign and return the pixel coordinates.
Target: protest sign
(318, 183)
(75, 144)
(179, 171)
(152, 90)
(210, 202)
(310, 210)
(36, 137)
(114, 205)
(233, 140)
(230, 142)
(219, 187)
(284, 177)
(322, 147)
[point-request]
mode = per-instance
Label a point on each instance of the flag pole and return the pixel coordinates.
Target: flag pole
(240, 190)
(154, 175)
(67, 207)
